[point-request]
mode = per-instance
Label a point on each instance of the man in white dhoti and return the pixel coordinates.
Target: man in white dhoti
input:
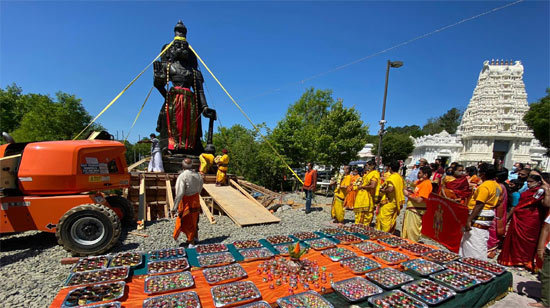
(155, 164)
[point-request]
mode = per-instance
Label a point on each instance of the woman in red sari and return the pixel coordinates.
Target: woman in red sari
(520, 243)
(459, 188)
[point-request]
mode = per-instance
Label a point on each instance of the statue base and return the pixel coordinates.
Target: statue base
(172, 163)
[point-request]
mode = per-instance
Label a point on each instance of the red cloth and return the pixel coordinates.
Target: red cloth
(498, 227)
(443, 221)
(520, 243)
(460, 187)
(182, 117)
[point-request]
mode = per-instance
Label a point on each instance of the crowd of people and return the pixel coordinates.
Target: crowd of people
(508, 210)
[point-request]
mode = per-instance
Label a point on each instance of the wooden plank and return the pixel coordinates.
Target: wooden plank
(169, 199)
(132, 166)
(142, 204)
(238, 207)
(249, 196)
(207, 211)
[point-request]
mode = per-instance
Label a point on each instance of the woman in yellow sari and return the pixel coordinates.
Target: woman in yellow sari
(392, 200)
(367, 194)
(340, 193)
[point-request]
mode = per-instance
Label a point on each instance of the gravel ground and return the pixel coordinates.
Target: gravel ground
(31, 272)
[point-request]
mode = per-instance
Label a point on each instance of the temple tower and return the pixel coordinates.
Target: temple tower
(492, 126)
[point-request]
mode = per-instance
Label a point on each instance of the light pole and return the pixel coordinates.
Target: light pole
(394, 64)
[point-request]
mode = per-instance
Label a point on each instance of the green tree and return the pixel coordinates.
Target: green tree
(342, 135)
(409, 130)
(538, 120)
(13, 105)
(395, 147)
(449, 121)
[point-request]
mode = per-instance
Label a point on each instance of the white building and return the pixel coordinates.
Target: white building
(492, 126)
(366, 152)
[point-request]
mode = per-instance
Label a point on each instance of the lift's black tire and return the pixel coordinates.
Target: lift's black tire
(125, 206)
(89, 229)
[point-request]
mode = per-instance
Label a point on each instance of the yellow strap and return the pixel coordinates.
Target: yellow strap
(124, 90)
(242, 111)
(137, 116)
(180, 38)
(8, 157)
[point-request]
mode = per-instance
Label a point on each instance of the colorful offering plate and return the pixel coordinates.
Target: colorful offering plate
(210, 248)
(428, 291)
(94, 294)
(256, 254)
(224, 274)
(98, 276)
(458, 281)
(415, 249)
(106, 305)
(393, 241)
(373, 234)
(282, 249)
(356, 289)
(389, 278)
(309, 299)
(165, 254)
(390, 256)
(490, 267)
(234, 292)
(348, 238)
(369, 247)
(479, 274)
(90, 264)
(360, 265)
(321, 243)
(261, 304)
(167, 283)
(422, 267)
(215, 259)
(351, 228)
(338, 253)
(247, 244)
(305, 235)
(396, 299)
(441, 256)
(332, 231)
(188, 299)
(131, 259)
(279, 239)
(167, 266)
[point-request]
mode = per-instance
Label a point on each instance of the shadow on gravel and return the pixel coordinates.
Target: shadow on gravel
(31, 245)
(217, 239)
(531, 289)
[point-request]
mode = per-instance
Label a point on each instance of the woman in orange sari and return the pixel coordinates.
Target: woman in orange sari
(355, 182)
(473, 179)
(456, 187)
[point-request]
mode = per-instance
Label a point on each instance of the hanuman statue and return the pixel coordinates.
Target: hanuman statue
(179, 121)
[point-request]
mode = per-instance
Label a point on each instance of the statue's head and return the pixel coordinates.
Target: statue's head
(210, 149)
(180, 29)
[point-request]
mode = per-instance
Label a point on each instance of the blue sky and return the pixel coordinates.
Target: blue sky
(262, 50)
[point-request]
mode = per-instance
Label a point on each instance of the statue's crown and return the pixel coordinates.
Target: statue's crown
(180, 27)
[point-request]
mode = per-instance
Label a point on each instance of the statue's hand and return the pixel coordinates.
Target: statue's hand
(159, 69)
(209, 113)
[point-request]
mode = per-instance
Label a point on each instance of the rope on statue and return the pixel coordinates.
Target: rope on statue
(139, 112)
(245, 115)
(124, 90)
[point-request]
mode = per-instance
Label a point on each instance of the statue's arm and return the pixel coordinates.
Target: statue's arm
(159, 73)
(199, 80)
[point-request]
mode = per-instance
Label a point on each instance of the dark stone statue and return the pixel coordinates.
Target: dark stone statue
(179, 121)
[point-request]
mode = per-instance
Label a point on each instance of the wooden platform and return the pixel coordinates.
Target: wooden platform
(241, 208)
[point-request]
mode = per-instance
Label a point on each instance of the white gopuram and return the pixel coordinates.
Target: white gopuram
(492, 126)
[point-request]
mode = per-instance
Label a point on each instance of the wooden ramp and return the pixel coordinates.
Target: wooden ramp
(241, 208)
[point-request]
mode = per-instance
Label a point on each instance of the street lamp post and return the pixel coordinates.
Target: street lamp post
(394, 64)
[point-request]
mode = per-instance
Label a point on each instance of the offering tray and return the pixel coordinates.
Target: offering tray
(302, 236)
(94, 294)
(260, 304)
(415, 249)
(373, 234)
(132, 259)
(396, 298)
(390, 257)
(308, 299)
(320, 243)
(224, 274)
(167, 266)
(282, 249)
(279, 239)
(480, 275)
(393, 241)
(458, 281)
(210, 248)
(98, 276)
(247, 244)
(347, 238)
(428, 291)
(422, 267)
(106, 305)
(338, 253)
(360, 265)
(356, 289)
(188, 299)
(165, 254)
(90, 264)
(389, 278)
(168, 283)
(440, 256)
(234, 293)
(256, 254)
(332, 231)
(484, 265)
(215, 259)
(369, 247)
(351, 228)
